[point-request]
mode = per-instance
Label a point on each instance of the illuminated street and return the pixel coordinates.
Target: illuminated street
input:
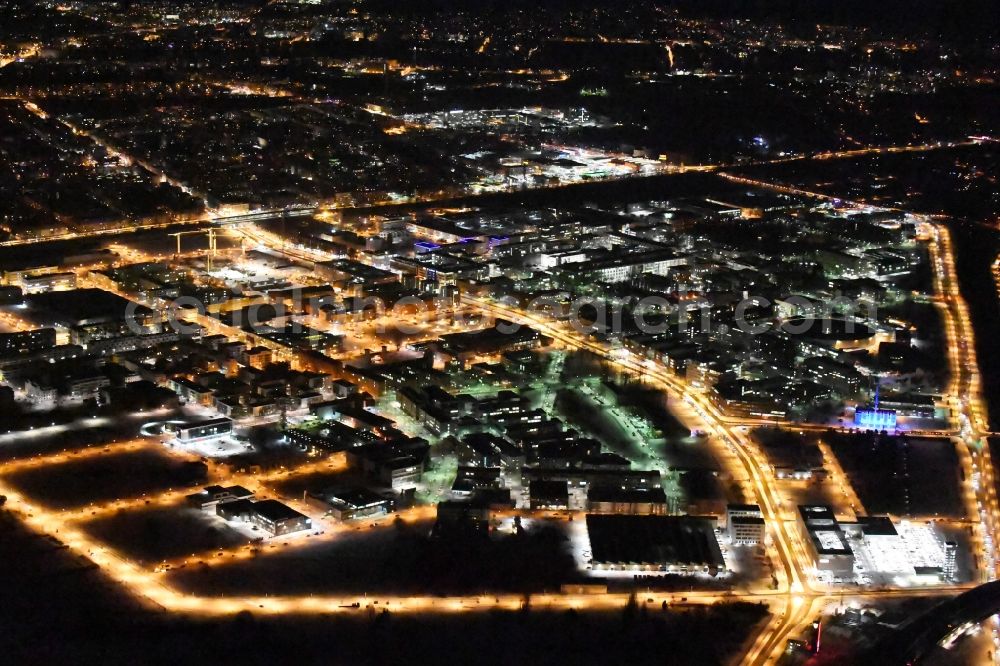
(370, 332)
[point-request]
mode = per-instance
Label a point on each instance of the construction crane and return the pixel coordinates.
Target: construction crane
(212, 243)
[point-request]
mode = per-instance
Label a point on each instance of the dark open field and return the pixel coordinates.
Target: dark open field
(107, 477)
(164, 533)
(397, 558)
(904, 476)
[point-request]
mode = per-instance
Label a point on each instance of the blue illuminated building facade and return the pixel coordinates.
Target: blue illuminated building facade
(873, 418)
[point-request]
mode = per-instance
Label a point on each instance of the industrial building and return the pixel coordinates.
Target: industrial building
(666, 544)
(353, 504)
(271, 516)
(207, 429)
(825, 541)
(209, 498)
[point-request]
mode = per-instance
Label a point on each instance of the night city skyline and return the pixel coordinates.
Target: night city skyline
(567, 332)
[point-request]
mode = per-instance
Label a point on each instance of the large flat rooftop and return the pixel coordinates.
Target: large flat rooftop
(658, 540)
